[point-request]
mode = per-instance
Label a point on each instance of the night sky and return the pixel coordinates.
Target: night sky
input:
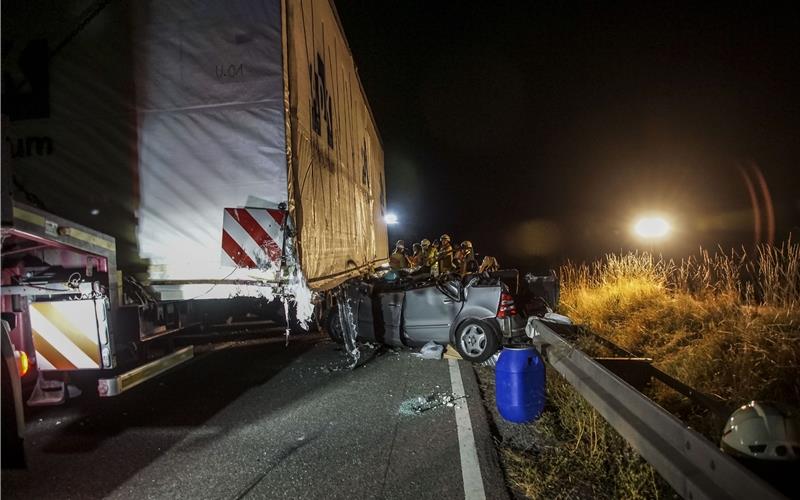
(540, 130)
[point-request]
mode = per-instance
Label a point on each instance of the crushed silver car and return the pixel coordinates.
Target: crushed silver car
(476, 314)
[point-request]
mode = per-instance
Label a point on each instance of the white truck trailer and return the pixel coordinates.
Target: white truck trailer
(161, 158)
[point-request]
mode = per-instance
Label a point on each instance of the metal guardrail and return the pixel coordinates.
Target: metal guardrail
(690, 463)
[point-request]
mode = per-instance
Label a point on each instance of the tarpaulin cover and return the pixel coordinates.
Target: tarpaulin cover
(337, 180)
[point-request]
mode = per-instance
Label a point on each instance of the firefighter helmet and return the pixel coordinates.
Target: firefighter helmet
(425, 242)
(445, 237)
(760, 430)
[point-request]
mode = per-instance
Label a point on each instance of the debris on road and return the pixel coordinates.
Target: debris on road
(431, 350)
(421, 404)
(367, 353)
(331, 368)
(451, 353)
(347, 322)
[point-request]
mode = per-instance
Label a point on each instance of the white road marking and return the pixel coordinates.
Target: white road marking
(470, 466)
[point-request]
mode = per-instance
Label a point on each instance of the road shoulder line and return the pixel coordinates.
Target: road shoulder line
(470, 465)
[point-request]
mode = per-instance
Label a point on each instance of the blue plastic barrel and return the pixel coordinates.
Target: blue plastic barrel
(520, 384)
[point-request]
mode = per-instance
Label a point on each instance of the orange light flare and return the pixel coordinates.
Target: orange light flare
(22, 362)
(760, 201)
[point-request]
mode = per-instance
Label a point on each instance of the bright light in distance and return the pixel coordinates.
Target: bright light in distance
(651, 227)
(390, 218)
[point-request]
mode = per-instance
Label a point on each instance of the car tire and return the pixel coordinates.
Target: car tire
(332, 325)
(476, 340)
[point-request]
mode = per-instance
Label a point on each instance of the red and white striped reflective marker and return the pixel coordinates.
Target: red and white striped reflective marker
(252, 237)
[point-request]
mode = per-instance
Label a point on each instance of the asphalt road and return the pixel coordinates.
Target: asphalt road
(265, 421)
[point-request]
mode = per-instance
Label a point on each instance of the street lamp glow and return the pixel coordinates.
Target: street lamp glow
(390, 218)
(651, 228)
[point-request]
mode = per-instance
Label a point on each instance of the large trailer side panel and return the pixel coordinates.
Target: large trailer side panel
(337, 185)
(155, 117)
(211, 126)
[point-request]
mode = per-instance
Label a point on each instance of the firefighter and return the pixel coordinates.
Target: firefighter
(417, 257)
(458, 254)
(445, 255)
(428, 253)
(428, 256)
(426, 248)
(467, 263)
(398, 259)
(433, 257)
(489, 265)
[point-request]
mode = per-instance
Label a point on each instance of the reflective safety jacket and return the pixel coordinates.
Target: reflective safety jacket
(446, 258)
(398, 260)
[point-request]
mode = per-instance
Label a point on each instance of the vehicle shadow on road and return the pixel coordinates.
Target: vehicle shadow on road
(374, 354)
(125, 434)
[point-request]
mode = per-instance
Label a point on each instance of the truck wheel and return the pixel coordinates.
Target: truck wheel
(476, 340)
(332, 325)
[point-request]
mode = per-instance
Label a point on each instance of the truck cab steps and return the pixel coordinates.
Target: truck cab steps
(51, 392)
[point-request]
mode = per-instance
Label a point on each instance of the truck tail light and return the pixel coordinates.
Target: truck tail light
(22, 362)
(507, 307)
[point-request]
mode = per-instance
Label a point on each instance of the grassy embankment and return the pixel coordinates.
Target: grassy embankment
(727, 324)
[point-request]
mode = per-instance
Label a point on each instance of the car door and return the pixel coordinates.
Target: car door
(366, 324)
(430, 311)
(387, 308)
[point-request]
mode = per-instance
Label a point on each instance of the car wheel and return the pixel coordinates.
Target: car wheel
(333, 326)
(476, 340)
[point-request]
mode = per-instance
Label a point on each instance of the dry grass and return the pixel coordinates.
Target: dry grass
(725, 323)
(583, 458)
